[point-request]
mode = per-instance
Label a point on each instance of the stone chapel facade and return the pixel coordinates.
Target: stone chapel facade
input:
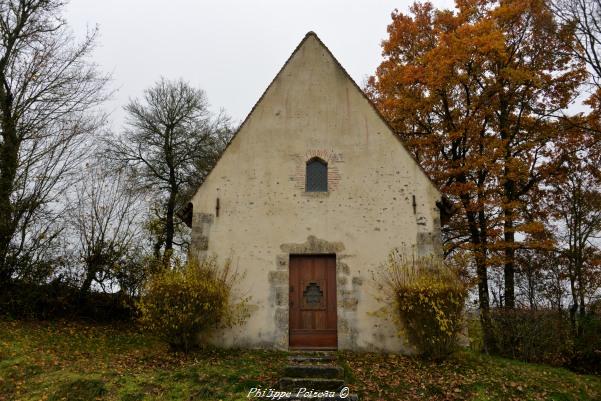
(308, 199)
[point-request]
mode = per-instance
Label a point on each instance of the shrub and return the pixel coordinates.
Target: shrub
(542, 336)
(60, 300)
(180, 304)
(547, 336)
(587, 346)
(429, 299)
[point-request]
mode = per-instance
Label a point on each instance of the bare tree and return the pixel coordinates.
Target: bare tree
(171, 141)
(578, 206)
(584, 16)
(104, 216)
(48, 89)
(575, 204)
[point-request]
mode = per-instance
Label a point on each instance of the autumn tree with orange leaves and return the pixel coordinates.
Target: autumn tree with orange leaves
(471, 92)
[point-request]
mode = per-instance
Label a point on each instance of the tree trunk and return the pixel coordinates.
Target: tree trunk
(509, 268)
(169, 223)
(478, 235)
(580, 288)
(574, 306)
(87, 282)
(508, 197)
(508, 228)
(169, 218)
(93, 263)
(9, 151)
(482, 271)
(485, 321)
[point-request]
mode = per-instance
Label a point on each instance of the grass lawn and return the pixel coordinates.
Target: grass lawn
(75, 361)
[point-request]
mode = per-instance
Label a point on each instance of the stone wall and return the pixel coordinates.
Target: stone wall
(378, 199)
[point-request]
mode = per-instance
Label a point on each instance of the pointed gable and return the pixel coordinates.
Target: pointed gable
(308, 59)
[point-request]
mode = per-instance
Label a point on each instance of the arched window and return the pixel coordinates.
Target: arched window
(317, 176)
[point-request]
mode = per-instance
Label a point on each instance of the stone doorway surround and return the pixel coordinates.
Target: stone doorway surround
(347, 290)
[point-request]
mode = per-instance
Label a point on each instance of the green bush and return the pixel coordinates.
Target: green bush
(182, 303)
(429, 301)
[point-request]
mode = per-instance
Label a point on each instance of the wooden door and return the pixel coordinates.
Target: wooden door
(313, 302)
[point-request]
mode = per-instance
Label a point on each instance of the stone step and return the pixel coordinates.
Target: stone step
(312, 358)
(319, 371)
(310, 383)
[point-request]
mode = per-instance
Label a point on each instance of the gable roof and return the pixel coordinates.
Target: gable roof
(186, 213)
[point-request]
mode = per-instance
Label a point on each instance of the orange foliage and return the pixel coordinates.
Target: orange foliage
(471, 91)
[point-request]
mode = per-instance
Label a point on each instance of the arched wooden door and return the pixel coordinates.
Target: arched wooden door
(313, 301)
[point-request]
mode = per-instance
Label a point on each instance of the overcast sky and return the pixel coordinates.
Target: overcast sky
(230, 48)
